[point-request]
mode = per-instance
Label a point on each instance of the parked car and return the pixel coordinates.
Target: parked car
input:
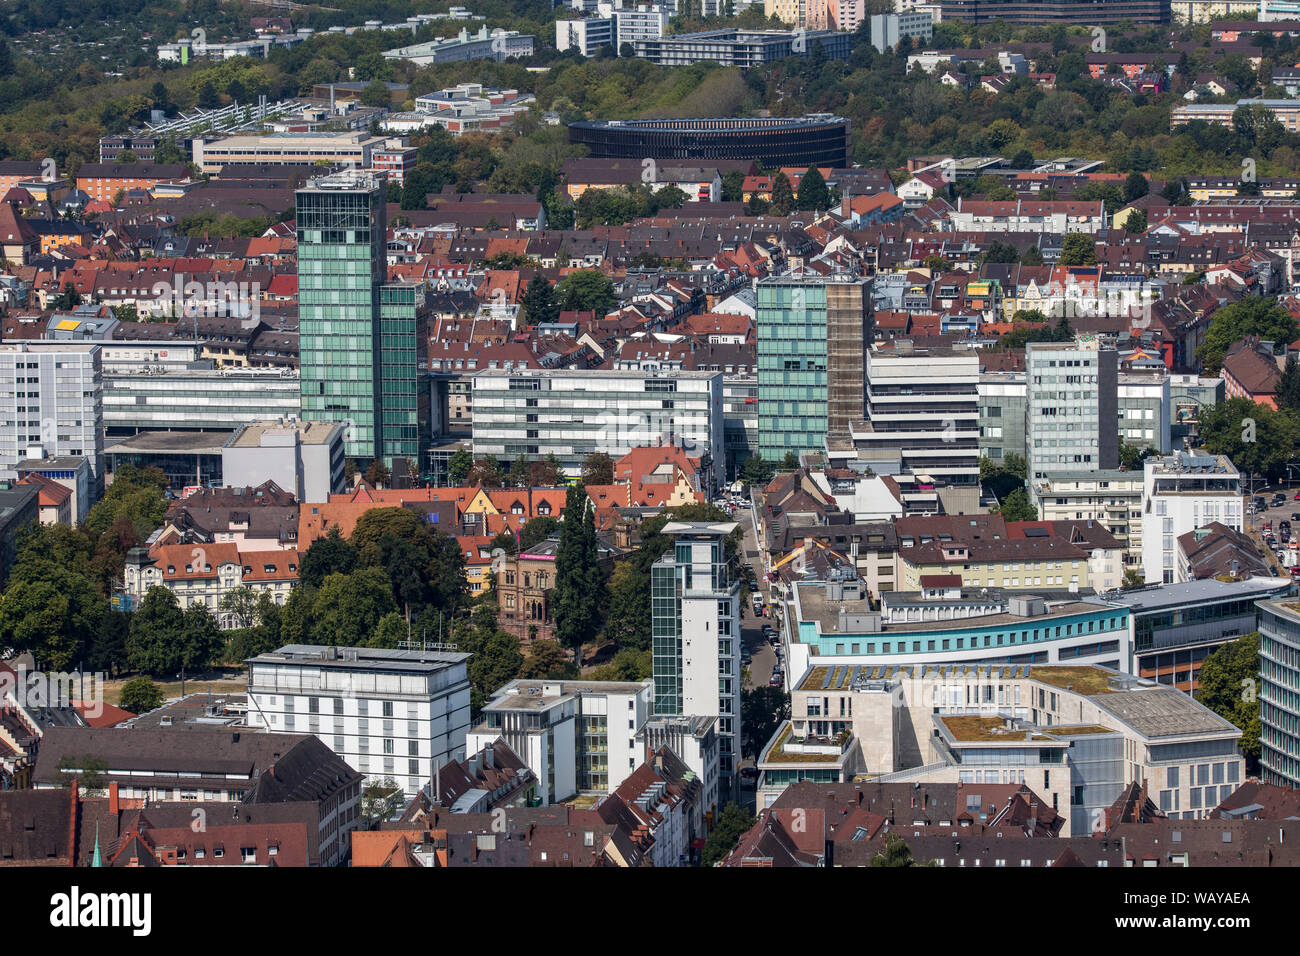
(1272, 570)
(774, 681)
(748, 773)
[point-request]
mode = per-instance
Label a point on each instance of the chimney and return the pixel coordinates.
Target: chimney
(113, 806)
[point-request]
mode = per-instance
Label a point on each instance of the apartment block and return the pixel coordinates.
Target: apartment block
(392, 714)
(354, 149)
(576, 736)
(1180, 493)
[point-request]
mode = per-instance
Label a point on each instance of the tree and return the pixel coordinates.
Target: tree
(1015, 464)
(628, 624)
(537, 530)
(1032, 256)
(1135, 223)
(1135, 187)
(539, 302)
(782, 195)
(546, 661)
(240, 604)
(1077, 249)
(579, 581)
(152, 645)
(598, 469)
(329, 554)
(485, 472)
(763, 710)
(140, 695)
(348, 607)
(1258, 439)
(756, 471)
(1288, 388)
(896, 852)
(377, 474)
(459, 465)
(1265, 318)
(1229, 686)
(626, 665)
(790, 462)
(1133, 578)
(391, 630)
(587, 290)
(376, 94)
(813, 192)
(733, 186)
(1016, 507)
(201, 639)
(732, 823)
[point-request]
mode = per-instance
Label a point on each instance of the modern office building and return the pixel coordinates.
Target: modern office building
(55, 405)
(403, 397)
(497, 45)
(1176, 626)
(1076, 735)
(742, 48)
(342, 262)
(1286, 112)
(774, 141)
(923, 424)
(390, 714)
(1180, 493)
(304, 458)
(696, 642)
(572, 413)
(1003, 407)
(813, 337)
(1279, 702)
(888, 28)
(948, 623)
(353, 149)
(200, 399)
(576, 736)
(1067, 12)
(586, 36)
(1071, 409)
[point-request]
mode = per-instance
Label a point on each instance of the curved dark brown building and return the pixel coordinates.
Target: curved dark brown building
(816, 140)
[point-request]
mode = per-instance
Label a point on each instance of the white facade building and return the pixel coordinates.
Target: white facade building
(576, 736)
(305, 458)
(390, 714)
(1180, 493)
(569, 413)
(696, 643)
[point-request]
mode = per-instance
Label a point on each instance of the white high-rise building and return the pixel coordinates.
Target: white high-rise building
(1180, 493)
(390, 714)
(696, 645)
(54, 407)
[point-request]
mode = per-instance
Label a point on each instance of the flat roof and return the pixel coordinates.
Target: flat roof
(815, 607)
(309, 432)
(528, 694)
(1191, 592)
(1162, 711)
(161, 443)
(361, 658)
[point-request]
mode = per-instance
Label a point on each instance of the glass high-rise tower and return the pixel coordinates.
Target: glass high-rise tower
(342, 238)
(813, 338)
